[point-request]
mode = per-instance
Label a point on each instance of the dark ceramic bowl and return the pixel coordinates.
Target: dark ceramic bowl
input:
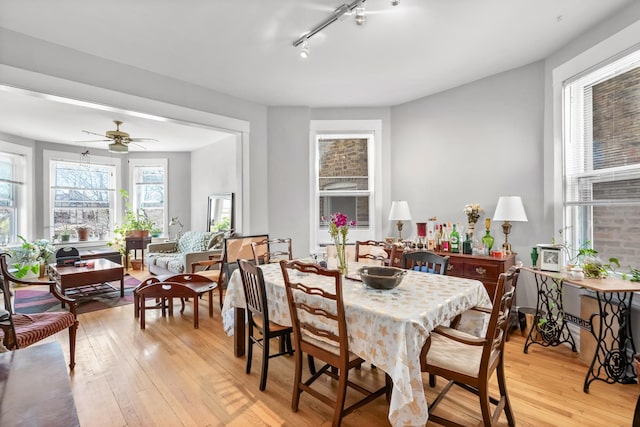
(378, 277)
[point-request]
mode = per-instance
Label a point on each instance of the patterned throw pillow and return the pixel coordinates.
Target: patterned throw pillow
(194, 241)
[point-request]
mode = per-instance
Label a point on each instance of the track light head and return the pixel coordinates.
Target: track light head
(304, 50)
(395, 2)
(360, 17)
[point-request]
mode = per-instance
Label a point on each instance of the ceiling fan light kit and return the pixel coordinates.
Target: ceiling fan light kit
(118, 147)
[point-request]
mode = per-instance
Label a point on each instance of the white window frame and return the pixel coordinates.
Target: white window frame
(25, 201)
(577, 214)
(346, 129)
(135, 203)
(49, 155)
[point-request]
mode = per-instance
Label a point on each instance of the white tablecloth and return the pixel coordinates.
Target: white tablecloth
(386, 327)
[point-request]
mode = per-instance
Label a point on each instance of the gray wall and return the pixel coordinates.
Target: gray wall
(288, 159)
(23, 56)
(212, 170)
(473, 144)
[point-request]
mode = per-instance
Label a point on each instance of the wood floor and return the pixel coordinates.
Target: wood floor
(173, 375)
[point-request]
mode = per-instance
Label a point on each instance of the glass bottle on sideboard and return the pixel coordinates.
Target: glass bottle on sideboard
(454, 240)
(487, 239)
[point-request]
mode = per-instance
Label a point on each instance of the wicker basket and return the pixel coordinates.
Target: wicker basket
(636, 365)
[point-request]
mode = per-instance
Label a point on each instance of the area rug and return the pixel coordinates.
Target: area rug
(37, 299)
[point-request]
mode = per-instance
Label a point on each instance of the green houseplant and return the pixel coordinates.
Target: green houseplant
(26, 259)
(135, 221)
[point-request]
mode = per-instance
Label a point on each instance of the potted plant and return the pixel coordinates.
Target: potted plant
(592, 265)
(65, 236)
(136, 222)
(26, 259)
(45, 250)
(83, 233)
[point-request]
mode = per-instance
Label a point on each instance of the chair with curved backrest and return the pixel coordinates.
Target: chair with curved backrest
(320, 330)
(372, 252)
(255, 296)
(22, 330)
(425, 261)
(477, 358)
(271, 250)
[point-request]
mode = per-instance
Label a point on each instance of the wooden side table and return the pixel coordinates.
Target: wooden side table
(133, 244)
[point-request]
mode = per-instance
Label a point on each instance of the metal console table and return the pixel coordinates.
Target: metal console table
(611, 326)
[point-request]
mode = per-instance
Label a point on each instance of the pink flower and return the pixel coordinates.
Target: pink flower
(339, 219)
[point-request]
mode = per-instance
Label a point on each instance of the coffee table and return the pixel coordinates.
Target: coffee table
(87, 281)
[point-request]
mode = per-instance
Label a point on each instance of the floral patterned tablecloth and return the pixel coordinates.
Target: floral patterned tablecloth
(386, 327)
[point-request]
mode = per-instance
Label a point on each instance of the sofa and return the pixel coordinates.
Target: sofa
(177, 257)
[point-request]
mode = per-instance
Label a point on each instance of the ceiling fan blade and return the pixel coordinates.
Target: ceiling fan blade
(97, 140)
(88, 132)
(142, 140)
(138, 145)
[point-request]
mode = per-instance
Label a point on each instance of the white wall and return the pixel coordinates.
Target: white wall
(44, 67)
(473, 144)
(213, 170)
(288, 170)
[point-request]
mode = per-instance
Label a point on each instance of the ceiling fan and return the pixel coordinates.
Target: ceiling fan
(119, 140)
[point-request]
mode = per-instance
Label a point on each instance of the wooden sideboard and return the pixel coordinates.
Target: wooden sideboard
(479, 267)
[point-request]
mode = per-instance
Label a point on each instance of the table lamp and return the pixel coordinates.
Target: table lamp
(176, 221)
(509, 208)
(400, 212)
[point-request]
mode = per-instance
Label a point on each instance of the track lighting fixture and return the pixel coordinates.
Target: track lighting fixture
(304, 50)
(395, 2)
(335, 15)
(360, 18)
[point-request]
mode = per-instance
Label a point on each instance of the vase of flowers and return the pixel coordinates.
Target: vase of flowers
(338, 229)
(472, 211)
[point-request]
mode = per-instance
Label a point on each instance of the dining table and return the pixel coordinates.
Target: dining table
(388, 328)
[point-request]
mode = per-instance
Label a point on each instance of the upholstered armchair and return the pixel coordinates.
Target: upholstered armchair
(177, 257)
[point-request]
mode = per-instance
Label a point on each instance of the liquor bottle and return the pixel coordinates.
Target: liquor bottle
(439, 239)
(431, 241)
(466, 245)
(454, 240)
(445, 238)
(487, 239)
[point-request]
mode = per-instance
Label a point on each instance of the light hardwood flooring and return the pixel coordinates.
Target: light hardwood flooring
(174, 375)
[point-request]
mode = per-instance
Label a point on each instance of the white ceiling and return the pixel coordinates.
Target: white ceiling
(244, 48)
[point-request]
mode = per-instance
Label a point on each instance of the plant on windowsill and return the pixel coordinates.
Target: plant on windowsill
(65, 236)
(136, 222)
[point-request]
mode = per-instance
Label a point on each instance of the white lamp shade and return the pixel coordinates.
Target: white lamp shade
(400, 211)
(510, 208)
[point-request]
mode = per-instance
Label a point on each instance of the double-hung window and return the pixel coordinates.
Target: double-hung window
(82, 193)
(602, 160)
(12, 196)
(344, 183)
(149, 186)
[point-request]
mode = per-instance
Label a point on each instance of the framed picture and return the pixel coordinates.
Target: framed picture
(549, 259)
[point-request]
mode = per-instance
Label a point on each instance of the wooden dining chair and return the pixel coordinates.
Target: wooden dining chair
(320, 330)
(425, 261)
(372, 252)
(22, 330)
(212, 270)
(261, 329)
(477, 358)
(271, 250)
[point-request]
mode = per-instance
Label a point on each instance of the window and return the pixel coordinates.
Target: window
(149, 183)
(602, 160)
(12, 181)
(81, 193)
